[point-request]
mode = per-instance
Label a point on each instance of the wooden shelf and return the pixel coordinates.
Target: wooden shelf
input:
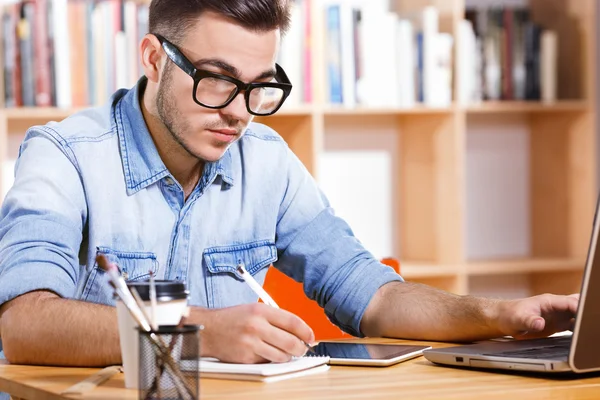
(524, 266)
(331, 110)
(508, 107)
(411, 270)
(295, 110)
(50, 113)
(36, 113)
(500, 107)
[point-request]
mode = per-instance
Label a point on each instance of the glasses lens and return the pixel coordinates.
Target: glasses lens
(265, 100)
(214, 92)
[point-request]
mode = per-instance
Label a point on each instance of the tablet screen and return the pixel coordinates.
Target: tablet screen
(358, 351)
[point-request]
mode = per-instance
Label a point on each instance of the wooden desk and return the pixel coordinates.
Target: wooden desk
(415, 379)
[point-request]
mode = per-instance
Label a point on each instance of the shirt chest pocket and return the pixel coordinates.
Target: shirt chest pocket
(225, 285)
(132, 265)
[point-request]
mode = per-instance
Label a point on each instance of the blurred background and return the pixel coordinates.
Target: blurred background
(458, 137)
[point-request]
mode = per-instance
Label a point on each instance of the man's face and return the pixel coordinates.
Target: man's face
(218, 45)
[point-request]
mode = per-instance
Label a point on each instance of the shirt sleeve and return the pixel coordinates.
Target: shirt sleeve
(319, 249)
(41, 221)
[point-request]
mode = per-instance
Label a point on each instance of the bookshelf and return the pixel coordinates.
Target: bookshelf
(430, 151)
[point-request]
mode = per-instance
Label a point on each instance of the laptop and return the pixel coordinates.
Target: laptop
(579, 352)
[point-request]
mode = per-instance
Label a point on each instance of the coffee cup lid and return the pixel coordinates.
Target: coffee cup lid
(165, 290)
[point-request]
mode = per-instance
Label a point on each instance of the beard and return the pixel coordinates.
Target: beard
(174, 120)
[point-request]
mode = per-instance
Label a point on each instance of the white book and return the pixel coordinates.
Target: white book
(466, 63)
(442, 97)
(121, 59)
(493, 69)
(406, 64)
(131, 46)
(548, 65)
(378, 86)
(348, 64)
(62, 53)
(478, 77)
(290, 55)
(109, 44)
(430, 28)
(266, 372)
(371, 48)
(99, 35)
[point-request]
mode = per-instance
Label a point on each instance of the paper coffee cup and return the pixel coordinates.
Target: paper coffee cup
(171, 298)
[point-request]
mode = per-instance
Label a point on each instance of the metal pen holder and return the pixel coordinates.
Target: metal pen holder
(169, 363)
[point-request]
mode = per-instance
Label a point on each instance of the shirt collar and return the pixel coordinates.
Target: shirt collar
(142, 164)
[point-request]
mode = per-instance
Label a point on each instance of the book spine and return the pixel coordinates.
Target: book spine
(78, 41)
(334, 66)
(420, 71)
(10, 61)
(51, 53)
(62, 53)
(532, 61)
(308, 48)
(548, 66)
(519, 70)
(347, 55)
(91, 60)
(43, 97)
(25, 32)
(507, 59)
(405, 64)
(99, 32)
(131, 27)
(358, 52)
(430, 54)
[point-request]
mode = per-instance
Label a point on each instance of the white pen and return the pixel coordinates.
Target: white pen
(262, 294)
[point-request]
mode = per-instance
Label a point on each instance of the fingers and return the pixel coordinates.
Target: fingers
(291, 323)
(287, 343)
(274, 334)
(562, 304)
(551, 314)
(280, 346)
(573, 302)
(572, 324)
(535, 323)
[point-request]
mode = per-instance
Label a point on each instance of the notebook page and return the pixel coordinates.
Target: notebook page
(266, 369)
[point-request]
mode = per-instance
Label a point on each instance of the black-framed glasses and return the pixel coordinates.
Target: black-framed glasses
(213, 90)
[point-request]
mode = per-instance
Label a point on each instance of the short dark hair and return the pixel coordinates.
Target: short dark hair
(173, 18)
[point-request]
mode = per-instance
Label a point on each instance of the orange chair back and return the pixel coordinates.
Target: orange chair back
(288, 294)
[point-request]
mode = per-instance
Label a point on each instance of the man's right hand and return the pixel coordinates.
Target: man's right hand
(252, 333)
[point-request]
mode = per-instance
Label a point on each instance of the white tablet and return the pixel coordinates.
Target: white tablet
(382, 355)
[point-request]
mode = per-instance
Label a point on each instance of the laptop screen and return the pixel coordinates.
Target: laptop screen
(586, 354)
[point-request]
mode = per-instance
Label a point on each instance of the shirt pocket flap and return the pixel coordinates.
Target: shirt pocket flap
(132, 265)
(254, 256)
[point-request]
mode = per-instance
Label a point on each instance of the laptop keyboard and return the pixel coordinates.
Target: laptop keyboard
(556, 349)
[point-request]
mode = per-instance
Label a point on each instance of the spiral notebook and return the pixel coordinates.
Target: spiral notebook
(267, 372)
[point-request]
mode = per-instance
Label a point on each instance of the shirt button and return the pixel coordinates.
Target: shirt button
(169, 181)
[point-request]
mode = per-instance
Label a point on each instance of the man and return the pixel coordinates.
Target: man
(173, 177)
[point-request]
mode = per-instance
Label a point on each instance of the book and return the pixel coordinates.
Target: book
(266, 372)
(548, 65)
(25, 34)
(334, 54)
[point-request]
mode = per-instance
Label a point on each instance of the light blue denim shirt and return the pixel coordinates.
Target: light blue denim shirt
(96, 183)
